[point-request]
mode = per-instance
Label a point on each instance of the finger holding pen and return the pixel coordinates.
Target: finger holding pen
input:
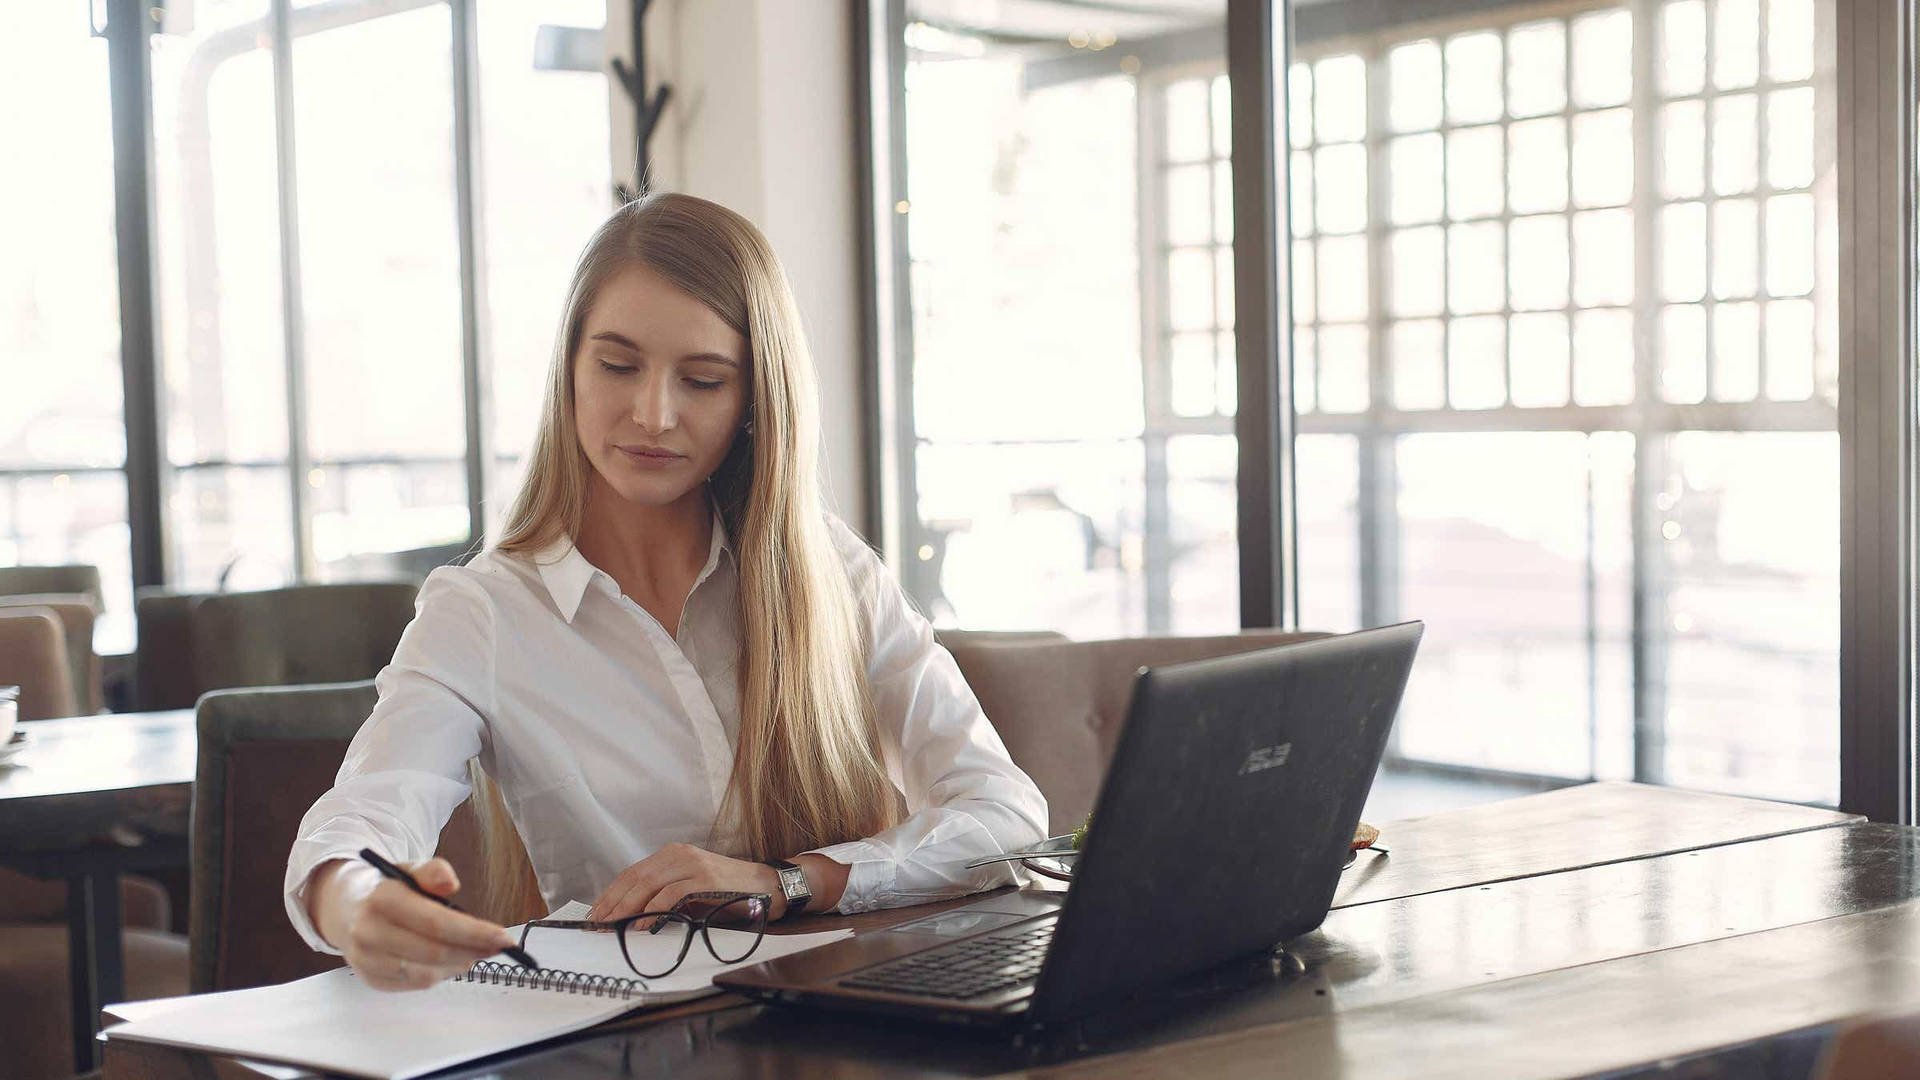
(394, 937)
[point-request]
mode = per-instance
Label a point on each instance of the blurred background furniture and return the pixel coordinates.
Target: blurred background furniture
(73, 594)
(33, 656)
(265, 755)
(1876, 1048)
(193, 643)
(1059, 704)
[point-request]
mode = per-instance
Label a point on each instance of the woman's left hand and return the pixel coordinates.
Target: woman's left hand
(660, 880)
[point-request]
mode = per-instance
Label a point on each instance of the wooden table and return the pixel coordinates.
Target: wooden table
(1576, 932)
(90, 798)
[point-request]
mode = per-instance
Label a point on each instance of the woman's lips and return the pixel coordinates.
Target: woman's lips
(651, 458)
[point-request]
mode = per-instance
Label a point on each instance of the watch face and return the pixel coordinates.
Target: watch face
(794, 883)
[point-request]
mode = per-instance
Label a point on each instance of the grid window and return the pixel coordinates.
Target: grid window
(1544, 269)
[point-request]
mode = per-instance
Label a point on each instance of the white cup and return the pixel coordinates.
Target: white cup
(9, 712)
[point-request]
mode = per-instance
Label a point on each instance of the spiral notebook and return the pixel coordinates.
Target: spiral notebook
(334, 1022)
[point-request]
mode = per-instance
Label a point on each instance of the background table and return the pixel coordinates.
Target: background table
(90, 798)
(1580, 931)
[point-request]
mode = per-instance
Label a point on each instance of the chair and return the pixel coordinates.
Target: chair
(33, 656)
(76, 612)
(1882, 1048)
(19, 580)
(1059, 705)
(265, 756)
(193, 643)
(33, 932)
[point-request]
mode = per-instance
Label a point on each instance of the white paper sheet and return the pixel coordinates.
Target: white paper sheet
(333, 1021)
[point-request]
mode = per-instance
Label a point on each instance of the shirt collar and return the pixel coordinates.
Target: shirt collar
(567, 573)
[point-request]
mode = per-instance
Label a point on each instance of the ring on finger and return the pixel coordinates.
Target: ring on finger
(403, 969)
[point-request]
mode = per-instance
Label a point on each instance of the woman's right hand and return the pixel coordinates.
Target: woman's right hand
(394, 938)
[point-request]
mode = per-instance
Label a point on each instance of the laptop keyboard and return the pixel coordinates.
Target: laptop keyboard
(963, 969)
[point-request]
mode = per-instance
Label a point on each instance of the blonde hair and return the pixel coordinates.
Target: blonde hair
(807, 768)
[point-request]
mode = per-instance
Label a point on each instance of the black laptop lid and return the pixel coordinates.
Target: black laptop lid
(1227, 812)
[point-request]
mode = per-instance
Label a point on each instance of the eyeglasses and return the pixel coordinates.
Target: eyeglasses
(645, 940)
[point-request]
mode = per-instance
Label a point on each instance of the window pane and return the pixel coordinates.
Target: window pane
(1304, 271)
(1477, 363)
(78, 517)
(1475, 173)
(1328, 471)
(1603, 158)
(1603, 258)
(1418, 167)
(1512, 576)
(1343, 369)
(1683, 354)
(379, 267)
(1538, 270)
(216, 201)
(1476, 270)
(1190, 289)
(363, 511)
(1736, 43)
(1735, 252)
(1736, 143)
(1755, 533)
(1413, 74)
(1306, 379)
(1790, 350)
(232, 529)
(1340, 175)
(1736, 352)
(1790, 137)
(1343, 282)
(1192, 374)
(1540, 355)
(1683, 47)
(1537, 69)
(1537, 165)
(1419, 282)
(1300, 192)
(1419, 376)
(1340, 99)
(1790, 36)
(1603, 358)
(1473, 79)
(1190, 204)
(1203, 506)
(1300, 106)
(1683, 252)
(1602, 59)
(1683, 127)
(59, 301)
(1186, 127)
(1790, 245)
(60, 391)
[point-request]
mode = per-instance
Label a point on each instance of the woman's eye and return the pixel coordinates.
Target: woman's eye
(705, 384)
(617, 369)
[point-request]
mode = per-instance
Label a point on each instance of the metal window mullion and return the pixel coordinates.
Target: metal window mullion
(130, 82)
(293, 323)
(1762, 202)
(1378, 479)
(1648, 629)
(470, 224)
(1156, 328)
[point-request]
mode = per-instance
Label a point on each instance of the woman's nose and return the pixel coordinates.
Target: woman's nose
(653, 405)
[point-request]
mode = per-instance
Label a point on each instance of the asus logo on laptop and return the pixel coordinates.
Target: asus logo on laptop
(1266, 757)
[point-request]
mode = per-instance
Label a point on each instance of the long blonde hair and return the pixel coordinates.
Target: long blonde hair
(807, 768)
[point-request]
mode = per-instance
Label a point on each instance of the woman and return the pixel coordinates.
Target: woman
(677, 667)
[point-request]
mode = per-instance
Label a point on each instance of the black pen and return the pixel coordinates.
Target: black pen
(387, 869)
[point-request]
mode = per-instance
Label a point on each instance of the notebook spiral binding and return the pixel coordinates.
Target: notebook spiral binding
(563, 982)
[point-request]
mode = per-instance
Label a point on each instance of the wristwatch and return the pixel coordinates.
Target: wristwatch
(793, 885)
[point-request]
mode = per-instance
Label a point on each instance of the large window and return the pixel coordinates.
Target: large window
(309, 234)
(63, 491)
(1563, 289)
(1564, 348)
(1070, 457)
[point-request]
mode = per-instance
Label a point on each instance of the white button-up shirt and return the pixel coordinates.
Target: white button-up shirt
(610, 738)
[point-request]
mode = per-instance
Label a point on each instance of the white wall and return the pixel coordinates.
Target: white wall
(762, 120)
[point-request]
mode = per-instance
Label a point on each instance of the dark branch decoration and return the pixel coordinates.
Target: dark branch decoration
(633, 78)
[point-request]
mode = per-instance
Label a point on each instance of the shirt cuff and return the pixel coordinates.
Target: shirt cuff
(870, 873)
(355, 877)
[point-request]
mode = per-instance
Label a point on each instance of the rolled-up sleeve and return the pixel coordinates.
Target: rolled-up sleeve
(406, 769)
(965, 796)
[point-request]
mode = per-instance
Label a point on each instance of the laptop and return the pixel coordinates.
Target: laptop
(1220, 831)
